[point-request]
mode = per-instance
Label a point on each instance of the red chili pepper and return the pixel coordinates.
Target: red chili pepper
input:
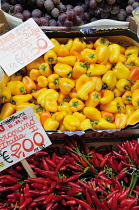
(74, 167)
(41, 198)
(71, 203)
(120, 166)
(54, 157)
(49, 205)
(127, 164)
(85, 147)
(84, 204)
(118, 185)
(53, 184)
(74, 191)
(14, 173)
(50, 162)
(106, 179)
(123, 151)
(71, 178)
(103, 162)
(124, 194)
(97, 162)
(63, 202)
(57, 198)
(88, 197)
(48, 198)
(44, 164)
(61, 163)
(122, 157)
(135, 208)
(121, 174)
(75, 156)
(26, 203)
(35, 192)
(6, 181)
(99, 156)
(110, 161)
(55, 206)
(38, 180)
(13, 179)
(38, 186)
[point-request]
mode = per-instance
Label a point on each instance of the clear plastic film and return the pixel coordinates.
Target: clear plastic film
(135, 14)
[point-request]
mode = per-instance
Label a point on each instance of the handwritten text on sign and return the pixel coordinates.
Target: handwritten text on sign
(22, 45)
(21, 135)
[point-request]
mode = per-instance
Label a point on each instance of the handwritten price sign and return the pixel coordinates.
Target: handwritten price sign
(22, 45)
(21, 135)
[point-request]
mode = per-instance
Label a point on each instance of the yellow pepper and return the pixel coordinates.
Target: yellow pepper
(93, 99)
(133, 60)
(120, 105)
(80, 116)
(89, 44)
(5, 94)
(85, 124)
(98, 83)
(135, 98)
(62, 127)
(122, 58)
(34, 74)
(51, 124)
(121, 71)
(64, 107)
(103, 124)
(45, 69)
(66, 85)
(78, 45)
(108, 65)
(135, 85)
(101, 41)
(37, 93)
(79, 69)
(73, 93)
(53, 81)
(63, 51)
(123, 85)
(71, 122)
(35, 64)
(19, 99)
(113, 106)
(85, 89)
(102, 53)
(21, 106)
(16, 77)
(50, 57)
(117, 92)
(69, 44)
(107, 97)
(50, 104)
(92, 113)
(109, 80)
(114, 53)
(17, 87)
(96, 69)
(76, 105)
(82, 79)
(63, 70)
(89, 56)
(59, 116)
(120, 120)
(133, 118)
(63, 98)
(131, 50)
(129, 109)
(70, 60)
(7, 110)
(5, 80)
(42, 81)
(122, 49)
(127, 97)
(56, 45)
(44, 94)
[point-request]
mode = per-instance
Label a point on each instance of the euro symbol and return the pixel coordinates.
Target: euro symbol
(7, 157)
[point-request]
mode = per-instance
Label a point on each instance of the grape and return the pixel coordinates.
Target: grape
(70, 14)
(40, 3)
(77, 21)
(19, 15)
(92, 3)
(129, 9)
(128, 18)
(85, 7)
(36, 13)
(122, 14)
(91, 11)
(26, 14)
(62, 8)
(44, 21)
(5, 7)
(115, 9)
(78, 10)
(130, 2)
(59, 23)
(97, 11)
(56, 1)
(48, 4)
(47, 16)
(37, 20)
(107, 7)
(135, 4)
(110, 1)
(55, 12)
(18, 8)
(105, 15)
(62, 17)
(52, 22)
(68, 23)
(69, 6)
(87, 16)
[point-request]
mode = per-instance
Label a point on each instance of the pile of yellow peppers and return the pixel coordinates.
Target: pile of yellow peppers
(77, 86)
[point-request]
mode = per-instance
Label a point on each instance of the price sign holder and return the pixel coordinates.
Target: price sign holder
(21, 135)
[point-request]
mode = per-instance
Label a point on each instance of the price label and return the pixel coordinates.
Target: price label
(21, 135)
(22, 45)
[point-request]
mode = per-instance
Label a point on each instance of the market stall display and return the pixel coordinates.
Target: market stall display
(69, 13)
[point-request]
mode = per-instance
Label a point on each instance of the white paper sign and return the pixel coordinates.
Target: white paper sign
(21, 135)
(22, 45)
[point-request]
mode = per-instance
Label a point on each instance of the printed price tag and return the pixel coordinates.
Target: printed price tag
(21, 135)
(22, 45)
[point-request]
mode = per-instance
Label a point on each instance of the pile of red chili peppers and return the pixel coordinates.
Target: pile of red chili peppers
(83, 178)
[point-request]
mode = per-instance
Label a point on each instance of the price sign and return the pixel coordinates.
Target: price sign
(22, 45)
(21, 135)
